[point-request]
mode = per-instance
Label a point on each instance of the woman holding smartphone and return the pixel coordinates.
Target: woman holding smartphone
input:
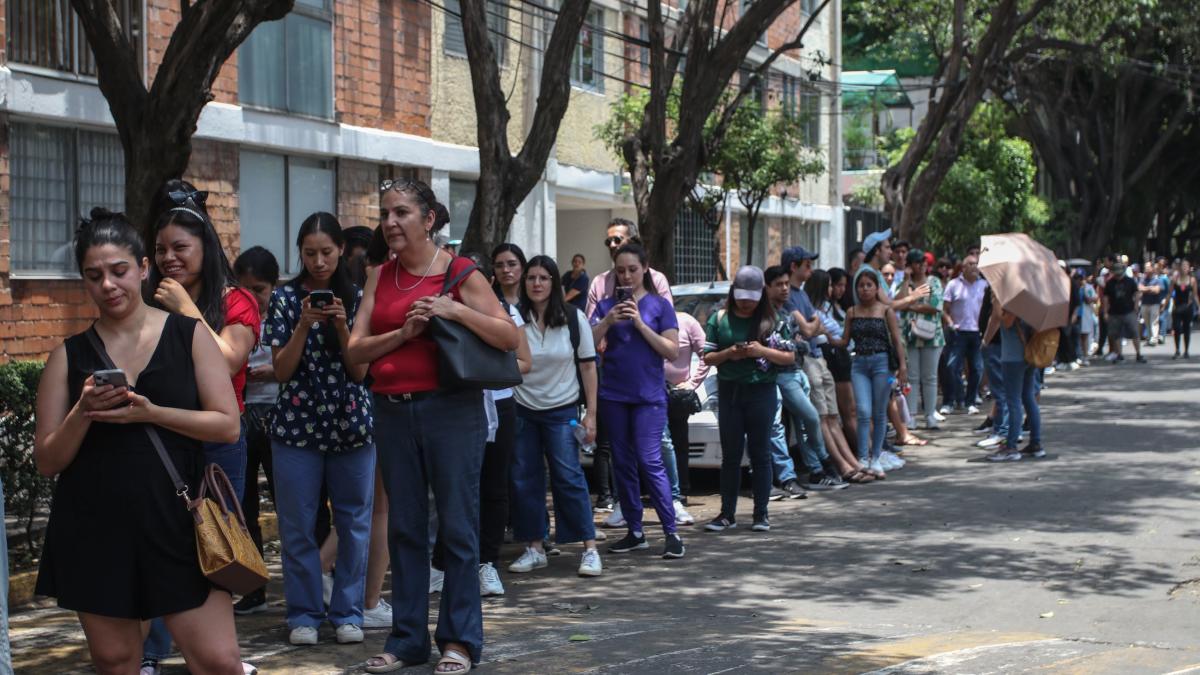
(113, 493)
(641, 330)
(321, 434)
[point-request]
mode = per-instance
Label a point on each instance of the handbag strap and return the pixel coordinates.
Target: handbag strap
(181, 488)
(454, 281)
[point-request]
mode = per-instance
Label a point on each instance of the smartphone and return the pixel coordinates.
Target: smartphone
(320, 299)
(624, 293)
(115, 377)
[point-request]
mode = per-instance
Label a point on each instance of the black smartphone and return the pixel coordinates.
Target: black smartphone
(320, 299)
(624, 293)
(115, 377)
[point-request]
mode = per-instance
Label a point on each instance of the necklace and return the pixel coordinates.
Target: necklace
(396, 274)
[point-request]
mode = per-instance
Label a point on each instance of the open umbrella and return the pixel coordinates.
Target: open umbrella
(1026, 278)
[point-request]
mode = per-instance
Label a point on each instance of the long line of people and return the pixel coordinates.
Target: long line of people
(371, 459)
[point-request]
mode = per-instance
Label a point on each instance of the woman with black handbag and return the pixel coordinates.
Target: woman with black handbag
(114, 493)
(431, 430)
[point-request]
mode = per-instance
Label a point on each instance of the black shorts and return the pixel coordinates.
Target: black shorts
(838, 360)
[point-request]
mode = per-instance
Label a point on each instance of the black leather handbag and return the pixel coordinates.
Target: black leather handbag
(464, 360)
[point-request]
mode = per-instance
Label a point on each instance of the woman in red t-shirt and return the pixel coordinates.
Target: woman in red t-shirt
(427, 437)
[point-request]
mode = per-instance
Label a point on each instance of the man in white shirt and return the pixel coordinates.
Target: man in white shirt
(961, 304)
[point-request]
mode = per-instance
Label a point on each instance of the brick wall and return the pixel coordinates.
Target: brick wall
(161, 19)
(382, 64)
(214, 167)
(36, 315)
(357, 193)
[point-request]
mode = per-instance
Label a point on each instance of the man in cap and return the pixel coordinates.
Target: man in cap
(1119, 302)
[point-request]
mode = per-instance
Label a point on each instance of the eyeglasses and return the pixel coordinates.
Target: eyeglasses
(614, 241)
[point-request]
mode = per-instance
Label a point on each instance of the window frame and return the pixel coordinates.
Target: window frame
(810, 118)
(593, 25)
(73, 187)
(291, 223)
(83, 65)
(498, 16)
(300, 9)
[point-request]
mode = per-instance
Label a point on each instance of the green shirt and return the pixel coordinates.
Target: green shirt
(724, 330)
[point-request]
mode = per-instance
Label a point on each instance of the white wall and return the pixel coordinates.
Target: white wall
(582, 231)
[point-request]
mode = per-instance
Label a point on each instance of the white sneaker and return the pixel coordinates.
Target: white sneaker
(877, 467)
(601, 535)
(327, 588)
(248, 669)
(303, 635)
(529, 561)
(939, 416)
(151, 670)
(972, 410)
(932, 423)
(891, 461)
(990, 442)
(1110, 357)
(348, 634)
(436, 579)
(489, 581)
(945, 410)
(682, 517)
(378, 617)
(615, 519)
(589, 563)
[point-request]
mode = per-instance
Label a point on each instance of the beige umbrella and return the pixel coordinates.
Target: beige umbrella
(1026, 278)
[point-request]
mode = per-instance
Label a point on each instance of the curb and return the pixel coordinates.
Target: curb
(21, 585)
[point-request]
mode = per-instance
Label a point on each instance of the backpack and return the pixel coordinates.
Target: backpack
(1041, 349)
(573, 329)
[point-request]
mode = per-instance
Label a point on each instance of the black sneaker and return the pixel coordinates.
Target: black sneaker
(720, 524)
(776, 494)
(1034, 450)
(821, 482)
(550, 548)
(985, 427)
(631, 542)
(673, 548)
(1140, 359)
(793, 490)
(604, 505)
(254, 603)
(762, 524)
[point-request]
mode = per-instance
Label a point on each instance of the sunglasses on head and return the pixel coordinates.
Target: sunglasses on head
(395, 184)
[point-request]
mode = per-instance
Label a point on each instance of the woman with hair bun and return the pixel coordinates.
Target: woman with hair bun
(431, 437)
(114, 497)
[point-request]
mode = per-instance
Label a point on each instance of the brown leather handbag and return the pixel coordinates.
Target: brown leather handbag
(227, 555)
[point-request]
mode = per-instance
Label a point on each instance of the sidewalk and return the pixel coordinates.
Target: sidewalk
(1088, 561)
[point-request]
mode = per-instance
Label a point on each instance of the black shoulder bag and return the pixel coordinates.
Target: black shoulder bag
(464, 360)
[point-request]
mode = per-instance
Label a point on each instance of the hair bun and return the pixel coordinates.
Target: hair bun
(101, 213)
(440, 215)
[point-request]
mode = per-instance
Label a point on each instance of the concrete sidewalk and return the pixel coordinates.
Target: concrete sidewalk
(1088, 561)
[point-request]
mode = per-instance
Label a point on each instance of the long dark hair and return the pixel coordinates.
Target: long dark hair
(817, 287)
(179, 203)
(556, 306)
(506, 248)
(107, 227)
(637, 250)
(340, 282)
(259, 263)
(763, 316)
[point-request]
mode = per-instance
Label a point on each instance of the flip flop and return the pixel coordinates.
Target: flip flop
(390, 663)
(913, 441)
(455, 657)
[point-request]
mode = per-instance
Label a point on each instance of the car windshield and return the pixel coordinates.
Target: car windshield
(700, 305)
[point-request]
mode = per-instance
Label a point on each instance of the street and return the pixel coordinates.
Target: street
(1086, 561)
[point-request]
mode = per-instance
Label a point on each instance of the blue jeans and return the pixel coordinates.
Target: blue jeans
(965, 351)
(1020, 388)
(435, 442)
(991, 362)
(744, 416)
(670, 463)
(349, 477)
(869, 375)
(545, 437)
(231, 457)
(5, 651)
(794, 388)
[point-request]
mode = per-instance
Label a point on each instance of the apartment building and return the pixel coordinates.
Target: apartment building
(312, 111)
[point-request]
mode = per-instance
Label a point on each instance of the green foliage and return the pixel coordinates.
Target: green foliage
(990, 188)
(26, 493)
(761, 151)
(857, 138)
(866, 194)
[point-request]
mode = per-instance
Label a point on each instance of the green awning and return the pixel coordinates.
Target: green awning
(863, 88)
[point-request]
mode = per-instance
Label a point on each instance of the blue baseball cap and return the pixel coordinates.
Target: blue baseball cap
(875, 239)
(795, 254)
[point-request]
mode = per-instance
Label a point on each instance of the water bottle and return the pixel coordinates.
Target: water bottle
(581, 437)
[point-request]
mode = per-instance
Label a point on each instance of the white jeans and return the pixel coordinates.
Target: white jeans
(1150, 318)
(923, 376)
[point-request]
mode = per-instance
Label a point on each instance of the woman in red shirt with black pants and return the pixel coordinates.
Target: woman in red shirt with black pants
(427, 436)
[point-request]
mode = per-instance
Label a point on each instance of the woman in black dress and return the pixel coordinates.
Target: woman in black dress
(120, 547)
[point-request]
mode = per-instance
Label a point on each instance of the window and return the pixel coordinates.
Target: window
(587, 65)
(46, 33)
(276, 194)
(810, 117)
(462, 200)
(288, 65)
(58, 175)
(453, 41)
(791, 94)
(801, 233)
(695, 259)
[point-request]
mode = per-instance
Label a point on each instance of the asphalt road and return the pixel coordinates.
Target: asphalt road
(1087, 561)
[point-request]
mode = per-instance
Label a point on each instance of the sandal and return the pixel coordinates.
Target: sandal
(912, 441)
(385, 663)
(453, 657)
(859, 476)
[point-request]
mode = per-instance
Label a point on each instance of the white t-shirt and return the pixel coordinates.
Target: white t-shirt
(260, 392)
(501, 394)
(551, 383)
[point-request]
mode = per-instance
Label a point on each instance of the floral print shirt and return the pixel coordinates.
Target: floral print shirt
(320, 407)
(935, 300)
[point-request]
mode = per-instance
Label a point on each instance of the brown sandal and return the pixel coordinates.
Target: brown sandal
(385, 663)
(858, 476)
(455, 658)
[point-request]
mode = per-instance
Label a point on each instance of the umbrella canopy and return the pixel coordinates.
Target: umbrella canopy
(1026, 278)
(1079, 262)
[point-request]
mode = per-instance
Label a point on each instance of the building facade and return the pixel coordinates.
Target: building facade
(313, 110)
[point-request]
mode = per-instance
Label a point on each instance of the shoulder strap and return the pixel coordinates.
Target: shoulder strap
(181, 488)
(453, 281)
(573, 329)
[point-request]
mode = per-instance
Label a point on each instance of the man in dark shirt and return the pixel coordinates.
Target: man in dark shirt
(575, 282)
(1120, 300)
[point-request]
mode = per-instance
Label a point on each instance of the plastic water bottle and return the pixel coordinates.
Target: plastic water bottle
(581, 437)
